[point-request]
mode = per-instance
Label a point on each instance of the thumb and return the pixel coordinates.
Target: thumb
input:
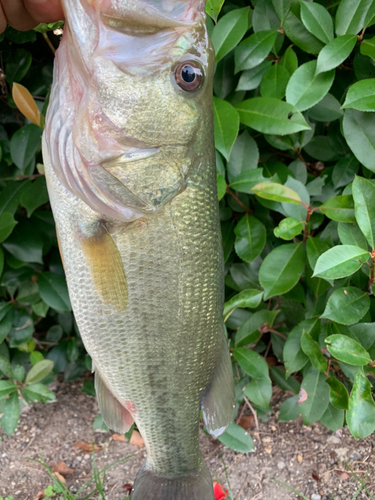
(45, 11)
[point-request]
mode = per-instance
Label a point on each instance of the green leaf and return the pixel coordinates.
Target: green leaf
(251, 78)
(339, 208)
(237, 439)
(361, 96)
(344, 171)
(245, 181)
(317, 20)
(312, 349)
(229, 31)
(251, 362)
(246, 298)
(300, 36)
(213, 8)
(282, 8)
(253, 50)
(34, 195)
(250, 238)
(40, 308)
(18, 66)
(35, 357)
(259, 391)
(294, 357)
(271, 116)
(327, 110)
(368, 47)
(249, 331)
(317, 393)
(289, 60)
(99, 424)
(350, 234)
(6, 387)
(281, 269)
(288, 228)
(244, 156)
(22, 328)
(359, 132)
(39, 392)
(306, 87)
(221, 186)
(39, 371)
(226, 125)
(333, 54)
(364, 333)
(361, 414)
(89, 388)
(347, 350)
(274, 82)
(10, 196)
(7, 224)
(24, 145)
(25, 243)
(347, 306)
(333, 418)
(338, 395)
(6, 368)
(340, 261)
(351, 15)
(289, 409)
(364, 200)
(276, 192)
(278, 376)
(11, 415)
(314, 249)
(54, 291)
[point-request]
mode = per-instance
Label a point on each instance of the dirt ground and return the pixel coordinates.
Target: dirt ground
(313, 460)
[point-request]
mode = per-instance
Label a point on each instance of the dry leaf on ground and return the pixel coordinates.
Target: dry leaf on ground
(62, 469)
(119, 437)
(86, 447)
(136, 439)
(40, 496)
(59, 477)
(247, 421)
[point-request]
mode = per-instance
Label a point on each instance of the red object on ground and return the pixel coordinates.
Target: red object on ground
(219, 492)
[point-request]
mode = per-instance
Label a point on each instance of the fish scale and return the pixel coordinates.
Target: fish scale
(141, 244)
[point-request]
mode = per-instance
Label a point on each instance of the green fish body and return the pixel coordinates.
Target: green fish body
(130, 168)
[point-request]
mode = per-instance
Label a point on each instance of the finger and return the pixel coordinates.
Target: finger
(45, 11)
(3, 20)
(17, 15)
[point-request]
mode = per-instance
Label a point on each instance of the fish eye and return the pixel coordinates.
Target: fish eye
(189, 76)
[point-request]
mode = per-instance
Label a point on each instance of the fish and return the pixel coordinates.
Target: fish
(130, 167)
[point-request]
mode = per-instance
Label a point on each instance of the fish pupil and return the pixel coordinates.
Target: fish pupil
(188, 74)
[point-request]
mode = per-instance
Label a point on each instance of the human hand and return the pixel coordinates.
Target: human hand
(26, 14)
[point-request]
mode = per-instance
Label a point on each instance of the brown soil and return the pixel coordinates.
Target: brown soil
(311, 459)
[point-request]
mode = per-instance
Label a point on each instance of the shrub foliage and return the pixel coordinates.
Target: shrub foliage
(294, 103)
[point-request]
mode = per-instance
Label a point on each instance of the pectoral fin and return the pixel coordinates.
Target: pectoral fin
(116, 416)
(106, 268)
(218, 402)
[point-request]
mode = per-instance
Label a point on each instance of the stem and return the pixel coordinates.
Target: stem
(49, 43)
(277, 333)
(253, 412)
(238, 201)
(306, 230)
(371, 280)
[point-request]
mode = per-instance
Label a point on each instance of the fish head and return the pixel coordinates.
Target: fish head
(143, 101)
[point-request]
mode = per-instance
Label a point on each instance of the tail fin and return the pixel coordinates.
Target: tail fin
(150, 486)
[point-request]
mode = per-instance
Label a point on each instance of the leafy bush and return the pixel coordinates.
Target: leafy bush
(294, 131)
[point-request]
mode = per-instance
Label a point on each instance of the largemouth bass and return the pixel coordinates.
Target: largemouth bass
(130, 168)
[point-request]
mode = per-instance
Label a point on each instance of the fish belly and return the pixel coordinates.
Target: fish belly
(157, 349)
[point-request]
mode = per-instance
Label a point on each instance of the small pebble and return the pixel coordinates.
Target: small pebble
(356, 457)
(315, 496)
(281, 465)
(334, 440)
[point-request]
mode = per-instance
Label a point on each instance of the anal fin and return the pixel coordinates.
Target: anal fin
(218, 402)
(114, 414)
